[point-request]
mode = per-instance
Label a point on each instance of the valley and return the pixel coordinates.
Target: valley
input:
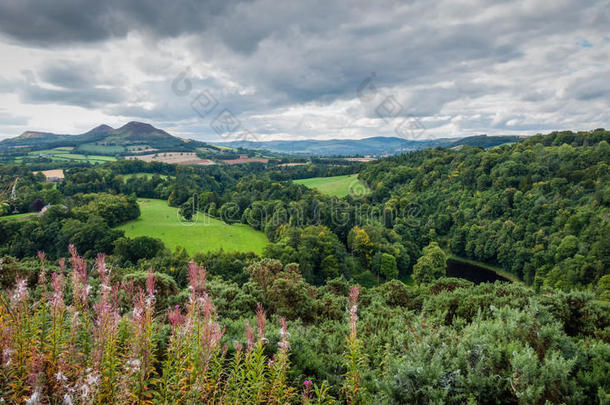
(501, 251)
(305, 203)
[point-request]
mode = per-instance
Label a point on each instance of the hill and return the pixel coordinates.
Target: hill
(375, 146)
(133, 137)
(138, 137)
(538, 209)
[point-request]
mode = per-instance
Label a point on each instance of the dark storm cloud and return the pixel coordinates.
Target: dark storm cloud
(88, 97)
(69, 21)
(69, 84)
(591, 88)
(77, 74)
(304, 64)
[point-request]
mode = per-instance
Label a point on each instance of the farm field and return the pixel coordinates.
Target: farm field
(145, 175)
(17, 216)
(244, 159)
(66, 154)
(159, 220)
(336, 186)
(184, 158)
(57, 173)
(95, 148)
(140, 148)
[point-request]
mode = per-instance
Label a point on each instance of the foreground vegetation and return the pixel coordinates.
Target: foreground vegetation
(91, 335)
(65, 154)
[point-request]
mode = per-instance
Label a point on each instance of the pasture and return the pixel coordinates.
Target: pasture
(67, 154)
(158, 220)
(17, 216)
(147, 176)
(101, 149)
(336, 186)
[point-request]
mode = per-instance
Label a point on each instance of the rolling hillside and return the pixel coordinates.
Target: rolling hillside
(376, 146)
(141, 138)
(133, 137)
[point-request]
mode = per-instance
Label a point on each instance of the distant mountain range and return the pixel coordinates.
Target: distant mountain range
(376, 146)
(131, 137)
(138, 137)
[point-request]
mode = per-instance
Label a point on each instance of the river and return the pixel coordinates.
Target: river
(472, 272)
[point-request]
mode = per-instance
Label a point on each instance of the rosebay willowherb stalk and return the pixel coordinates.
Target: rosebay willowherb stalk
(72, 345)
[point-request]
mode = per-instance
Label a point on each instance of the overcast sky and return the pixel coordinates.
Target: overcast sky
(306, 69)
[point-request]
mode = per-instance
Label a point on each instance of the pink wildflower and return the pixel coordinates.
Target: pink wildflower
(307, 391)
(261, 319)
(283, 343)
(42, 278)
(175, 317)
(150, 283)
(57, 299)
(249, 336)
(353, 299)
(197, 279)
(20, 293)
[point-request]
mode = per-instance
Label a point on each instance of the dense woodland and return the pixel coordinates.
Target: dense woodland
(348, 303)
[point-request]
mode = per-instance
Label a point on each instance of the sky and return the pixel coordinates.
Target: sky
(317, 69)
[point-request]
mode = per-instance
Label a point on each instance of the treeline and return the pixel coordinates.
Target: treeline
(315, 168)
(182, 181)
(87, 221)
(327, 236)
(23, 191)
(539, 208)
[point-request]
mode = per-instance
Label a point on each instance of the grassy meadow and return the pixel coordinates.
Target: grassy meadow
(67, 154)
(161, 221)
(17, 216)
(103, 149)
(336, 186)
(148, 176)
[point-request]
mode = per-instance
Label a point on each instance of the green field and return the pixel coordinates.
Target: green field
(91, 158)
(17, 216)
(65, 155)
(158, 220)
(106, 149)
(148, 176)
(138, 147)
(337, 186)
(217, 146)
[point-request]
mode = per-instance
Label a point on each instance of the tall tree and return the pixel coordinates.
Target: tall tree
(431, 265)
